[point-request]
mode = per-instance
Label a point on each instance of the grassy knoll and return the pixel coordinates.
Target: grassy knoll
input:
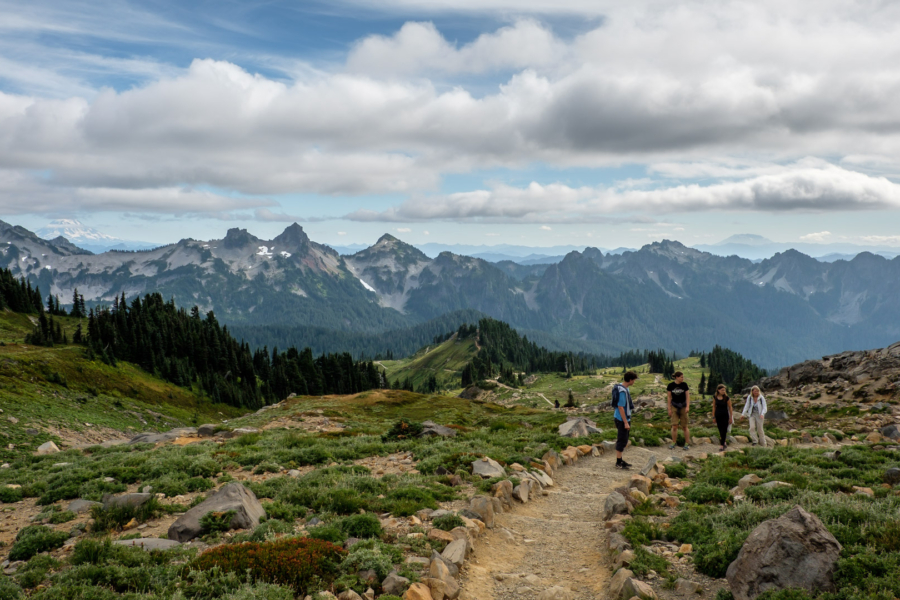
(445, 361)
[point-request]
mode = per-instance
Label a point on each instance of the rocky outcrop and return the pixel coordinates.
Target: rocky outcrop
(792, 551)
(487, 468)
(232, 496)
(578, 427)
(432, 429)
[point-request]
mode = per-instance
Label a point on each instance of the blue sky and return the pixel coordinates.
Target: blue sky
(545, 123)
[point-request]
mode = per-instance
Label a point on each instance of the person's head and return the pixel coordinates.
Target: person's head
(721, 391)
(754, 391)
(630, 378)
(678, 377)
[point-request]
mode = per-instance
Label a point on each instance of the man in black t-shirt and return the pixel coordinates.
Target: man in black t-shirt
(679, 399)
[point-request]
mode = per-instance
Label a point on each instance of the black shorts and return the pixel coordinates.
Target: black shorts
(622, 438)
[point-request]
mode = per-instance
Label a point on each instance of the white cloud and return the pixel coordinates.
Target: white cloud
(403, 230)
(820, 237)
(342, 233)
(804, 187)
(546, 228)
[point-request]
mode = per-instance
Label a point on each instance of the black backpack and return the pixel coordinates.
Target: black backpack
(617, 387)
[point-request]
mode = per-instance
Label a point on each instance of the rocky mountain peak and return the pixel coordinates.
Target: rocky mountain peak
(293, 239)
(238, 238)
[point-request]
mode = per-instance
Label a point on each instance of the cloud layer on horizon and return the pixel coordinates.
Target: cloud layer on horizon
(724, 93)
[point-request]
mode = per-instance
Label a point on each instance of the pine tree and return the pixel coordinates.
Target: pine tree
(702, 385)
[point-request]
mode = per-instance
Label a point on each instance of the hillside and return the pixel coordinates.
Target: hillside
(58, 394)
(444, 362)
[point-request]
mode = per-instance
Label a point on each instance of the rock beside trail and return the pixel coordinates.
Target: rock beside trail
(133, 500)
(891, 431)
(394, 584)
(168, 436)
(578, 427)
(487, 468)
(80, 506)
(232, 496)
(418, 591)
(207, 430)
(149, 544)
(484, 508)
(432, 429)
(615, 504)
(776, 415)
(557, 593)
(792, 551)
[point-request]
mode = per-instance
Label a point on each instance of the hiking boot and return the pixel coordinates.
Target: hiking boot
(686, 447)
(623, 465)
(672, 447)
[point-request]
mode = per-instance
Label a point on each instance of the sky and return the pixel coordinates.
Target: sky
(531, 122)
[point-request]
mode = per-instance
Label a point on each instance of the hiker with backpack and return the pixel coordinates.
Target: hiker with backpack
(623, 407)
(723, 414)
(679, 401)
(755, 410)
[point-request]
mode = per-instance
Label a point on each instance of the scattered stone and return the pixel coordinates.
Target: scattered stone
(484, 508)
(47, 448)
(350, 595)
(557, 593)
(608, 446)
(686, 549)
(441, 582)
(149, 544)
(770, 485)
(12, 420)
(521, 491)
(874, 437)
(636, 588)
(207, 430)
(615, 504)
(892, 476)
(624, 558)
(651, 464)
(617, 582)
(430, 428)
(891, 431)
(685, 587)
(865, 491)
(394, 584)
(748, 480)
(232, 496)
(792, 551)
(487, 468)
(133, 500)
(440, 535)
(80, 506)
(742, 439)
(578, 427)
(776, 415)
(417, 591)
(641, 483)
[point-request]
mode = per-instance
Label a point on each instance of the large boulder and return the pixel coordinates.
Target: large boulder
(891, 431)
(168, 436)
(615, 504)
(394, 584)
(578, 427)
(487, 468)
(431, 429)
(892, 476)
(47, 448)
(484, 508)
(503, 490)
(793, 551)
(80, 505)
(131, 500)
(776, 415)
(231, 496)
(149, 544)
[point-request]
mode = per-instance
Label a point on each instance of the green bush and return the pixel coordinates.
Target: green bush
(299, 563)
(217, 522)
(363, 559)
(361, 526)
(281, 511)
(261, 591)
(787, 594)
(264, 531)
(677, 470)
(644, 562)
(62, 517)
(704, 493)
(448, 522)
(403, 429)
(9, 590)
(327, 533)
(640, 532)
(724, 594)
(34, 539)
(9, 495)
(116, 517)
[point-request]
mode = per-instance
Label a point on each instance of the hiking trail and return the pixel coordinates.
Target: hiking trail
(553, 540)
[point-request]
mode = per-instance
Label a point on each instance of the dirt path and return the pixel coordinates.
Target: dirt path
(545, 398)
(554, 540)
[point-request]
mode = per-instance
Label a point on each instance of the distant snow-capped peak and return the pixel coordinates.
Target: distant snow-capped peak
(74, 231)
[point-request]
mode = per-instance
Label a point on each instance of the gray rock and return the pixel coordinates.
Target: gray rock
(557, 593)
(651, 462)
(436, 556)
(207, 430)
(775, 484)
(440, 513)
(47, 448)
(487, 468)
(455, 552)
(232, 496)
(617, 582)
(168, 436)
(578, 427)
(431, 429)
(394, 584)
(608, 446)
(618, 543)
(484, 508)
(634, 588)
(776, 415)
(892, 476)
(350, 595)
(134, 500)
(891, 431)
(147, 489)
(521, 491)
(80, 506)
(32, 432)
(792, 551)
(686, 587)
(615, 504)
(149, 543)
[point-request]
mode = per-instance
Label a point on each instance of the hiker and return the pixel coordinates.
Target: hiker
(723, 413)
(623, 409)
(755, 411)
(679, 405)
(556, 403)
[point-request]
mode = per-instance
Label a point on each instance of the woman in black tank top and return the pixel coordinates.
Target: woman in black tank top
(723, 413)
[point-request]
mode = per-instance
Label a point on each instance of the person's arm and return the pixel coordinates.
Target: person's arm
(687, 400)
(669, 400)
(730, 412)
(623, 397)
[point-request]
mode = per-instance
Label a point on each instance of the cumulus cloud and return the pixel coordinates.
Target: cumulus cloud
(819, 237)
(546, 228)
(796, 188)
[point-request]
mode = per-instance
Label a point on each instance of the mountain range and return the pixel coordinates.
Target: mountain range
(777, 311)
(88, 238)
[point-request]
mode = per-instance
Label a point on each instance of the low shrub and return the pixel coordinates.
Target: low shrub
(644, 562)
(704, 493)
(724, 594)
(361, 526)
(9, 590)
(217, 522)
(62, 517)
(677, 470)
(116, 517)
(403, 429)
(327, 533)
(281, 511)
(261, 591)
(9, 495)
(448, 522)
(35, 539)
(35, 572)
(786, 594)
(648, 508)
(264, 531)
(299, 563)
(640, 532)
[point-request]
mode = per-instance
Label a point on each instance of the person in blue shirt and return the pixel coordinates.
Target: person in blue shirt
(624, 408)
